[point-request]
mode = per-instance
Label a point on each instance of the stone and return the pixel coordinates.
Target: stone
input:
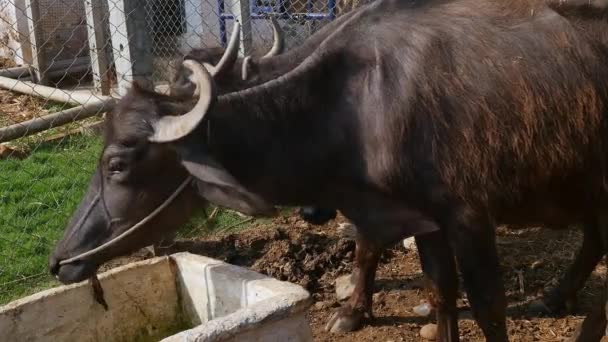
(424, 309)
(345, 285)
(429, 332)
(409, 244)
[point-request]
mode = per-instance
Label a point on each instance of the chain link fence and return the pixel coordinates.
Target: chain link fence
(62, 62)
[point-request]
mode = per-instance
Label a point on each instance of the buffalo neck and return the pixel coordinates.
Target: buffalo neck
(270, 133)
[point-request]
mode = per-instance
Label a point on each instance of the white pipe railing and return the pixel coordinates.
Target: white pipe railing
(49, 121)
(53, 94)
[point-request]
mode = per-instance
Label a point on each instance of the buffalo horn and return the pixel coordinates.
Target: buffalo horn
(230, 55)
(170, 128)
(245, 68)
(278, 44)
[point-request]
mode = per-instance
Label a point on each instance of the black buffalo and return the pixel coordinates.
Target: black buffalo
(435, 119)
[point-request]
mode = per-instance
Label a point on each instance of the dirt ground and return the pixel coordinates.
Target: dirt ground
(14, 107)
(6, 62)
(292, 250)
(18, 108)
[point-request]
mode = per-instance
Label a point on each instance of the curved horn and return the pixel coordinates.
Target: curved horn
(279, 44)
(230, 55)
(245, 68)
(170, 128)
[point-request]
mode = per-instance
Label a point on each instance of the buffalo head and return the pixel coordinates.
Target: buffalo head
(230, 79)
(141, 189)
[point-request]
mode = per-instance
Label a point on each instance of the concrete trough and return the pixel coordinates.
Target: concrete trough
(182, 297)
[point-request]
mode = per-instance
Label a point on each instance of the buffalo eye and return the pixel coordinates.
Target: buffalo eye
(116, 166)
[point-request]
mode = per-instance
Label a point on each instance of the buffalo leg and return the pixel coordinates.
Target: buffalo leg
(475, 248)
(359, 306)
(589, 255)
(438, 265)
(593, 327)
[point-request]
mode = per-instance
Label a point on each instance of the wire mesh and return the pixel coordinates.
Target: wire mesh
(58, 55)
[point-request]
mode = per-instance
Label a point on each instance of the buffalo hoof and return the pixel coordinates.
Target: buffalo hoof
(582, 334)
(552, 304)
(345, 319)
(539, 306)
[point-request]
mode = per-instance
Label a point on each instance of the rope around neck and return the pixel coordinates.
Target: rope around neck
(133, 228)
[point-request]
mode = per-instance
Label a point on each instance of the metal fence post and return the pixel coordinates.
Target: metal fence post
(39, 62)
(242, 13)
(97, 41)
(131, 43)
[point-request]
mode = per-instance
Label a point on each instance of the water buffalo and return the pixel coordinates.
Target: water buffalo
(249, 72)
(435, 119)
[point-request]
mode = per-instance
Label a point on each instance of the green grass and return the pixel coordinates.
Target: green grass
(37, 197)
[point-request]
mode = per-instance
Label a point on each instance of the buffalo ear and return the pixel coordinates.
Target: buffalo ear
(217, 186)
